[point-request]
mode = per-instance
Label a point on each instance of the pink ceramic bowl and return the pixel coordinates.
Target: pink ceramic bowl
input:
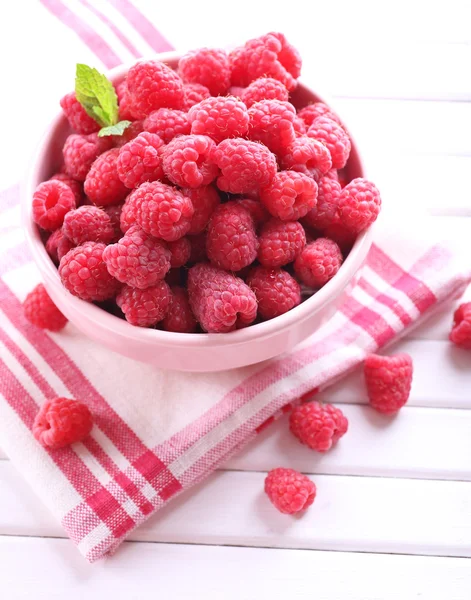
(185, 351)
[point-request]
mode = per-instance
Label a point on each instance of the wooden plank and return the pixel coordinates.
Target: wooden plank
(403, 446)
(224, 572)
(364, 514)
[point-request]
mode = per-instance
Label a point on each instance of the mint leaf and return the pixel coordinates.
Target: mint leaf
(117, 129)
(96, 94)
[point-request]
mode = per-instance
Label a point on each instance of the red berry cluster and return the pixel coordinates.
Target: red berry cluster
(216, 204)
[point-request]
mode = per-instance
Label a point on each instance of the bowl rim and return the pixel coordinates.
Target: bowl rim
(105, 320)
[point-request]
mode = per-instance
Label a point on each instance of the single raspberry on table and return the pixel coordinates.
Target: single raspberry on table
(139, 160)
(359, 205)
(324, 213)
(318, 262)
(61, 422)
(152, 85)
(186, 161)
(198, 248)
(289, 491)
(221, 118)
(264, 88)
(231, 241)
(114, 213)
(334, 137)
(205, 199)
(138, 259)
(194, 93)
(280, 242)
(315, 110)
(180, 317)
(144, 308)
(84, 274)
(276, 290)
(88, 224)
(78, 119)
(52, 200)
(161, 210)
(41, 311)
(317, 425)
(290, 195)
(267, 56)
(244, 165)
(220, 301)
(123, 102)
(341, 236)
(57, 245)
(461, 332)
(75, 186)
(259, 213)
(102, 184)
(180, 251)
(80, 151)
(272, 124)
(207, 66)
(167, 123)
(388, 381)
(307, 156)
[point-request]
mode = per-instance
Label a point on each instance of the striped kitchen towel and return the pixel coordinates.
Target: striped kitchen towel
(157, 433)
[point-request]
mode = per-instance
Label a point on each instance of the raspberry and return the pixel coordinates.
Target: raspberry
(318, 262)
(271, 122)
(76, 115)
(194, 93)
(80, 151)
(167, 123)
(461, 332)
(220, 118)
(206, 66)
(341, 236)
(131, 132)
(256, 209)
(290, 195)
(236, 91)
(161, 210)
(267, 56)
(277, 292)
(88, 224)
(152, 85)
(264, 88)
(128, 214)
(204, 199)
(198, 248)
(102, 184)
(57, 245)
(299, 126)
(123, 101)
(333, 174)
(180, 251)
(114, 213)
(74, 185)
(359, 205)
(186, 161)
(325, 211)
(317, 425)
(138, 259)
(144, 308)
(244, 165)
(231, 242)
(289, 491)
(280, 242)
(61, 422)
(334, 137)
(307, 156)
(139, 160)
(52, 200)
(318, 109)
(220, 301)
(179, 317)
(41, 311)
(388, 381)
(84, 274)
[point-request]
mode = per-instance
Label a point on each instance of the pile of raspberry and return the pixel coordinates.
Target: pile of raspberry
(219, 202)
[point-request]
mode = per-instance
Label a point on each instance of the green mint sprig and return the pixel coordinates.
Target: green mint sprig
(97, 95)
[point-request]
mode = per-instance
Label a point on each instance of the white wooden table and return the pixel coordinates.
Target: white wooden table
(393, 513)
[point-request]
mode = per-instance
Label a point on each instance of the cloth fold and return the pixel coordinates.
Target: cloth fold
(157, 433)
